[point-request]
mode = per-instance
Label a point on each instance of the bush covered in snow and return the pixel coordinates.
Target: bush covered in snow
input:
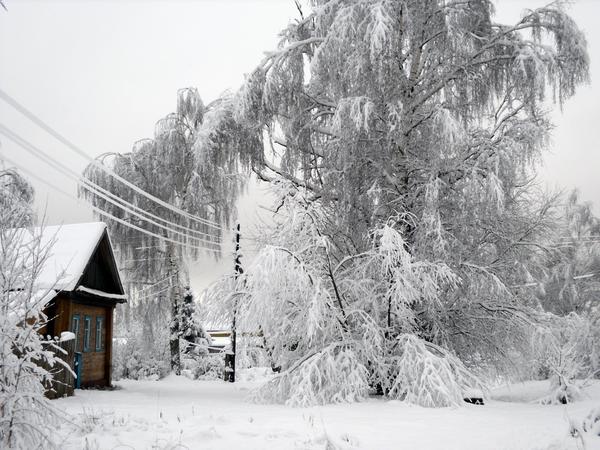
(138, 355)
(331, 375)
(203, 367)
(428, 375)
(564, 346)
(587, 431)
(142, 350)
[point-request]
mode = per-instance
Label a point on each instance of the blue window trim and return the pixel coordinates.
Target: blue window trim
(87, 333)
(99, 326)
(75, 329)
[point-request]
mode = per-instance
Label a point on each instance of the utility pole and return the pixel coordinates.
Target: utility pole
(230, 357)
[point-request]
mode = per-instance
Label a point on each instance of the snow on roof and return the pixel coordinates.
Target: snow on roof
(72, 247)
(102, 293)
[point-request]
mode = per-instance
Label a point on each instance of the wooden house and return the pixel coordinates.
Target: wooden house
(82, 272)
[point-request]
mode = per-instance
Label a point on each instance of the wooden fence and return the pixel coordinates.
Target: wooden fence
(63, 382)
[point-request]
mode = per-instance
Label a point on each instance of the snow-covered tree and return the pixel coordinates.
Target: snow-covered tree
(336, 328)
(16, 197)
(411, 131)
(422, 108)
(572, 283)
(27, 418)
(562, 346)
(185, 165)
(196, 339)
(142, 340)
(567, 343)
(197, 361)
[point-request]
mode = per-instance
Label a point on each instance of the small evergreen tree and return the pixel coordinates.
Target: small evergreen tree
(196, 339)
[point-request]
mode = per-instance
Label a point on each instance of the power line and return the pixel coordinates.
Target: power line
(94, 188)
(149, 288)
(153, 294)
(40, 123)
(573, 244)
(142, 260)
(156, 284)
(577, 277)
(104, 213)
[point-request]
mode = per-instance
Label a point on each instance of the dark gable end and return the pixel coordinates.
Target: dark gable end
(101, 270)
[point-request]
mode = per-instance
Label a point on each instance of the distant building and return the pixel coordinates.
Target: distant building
(82, 272)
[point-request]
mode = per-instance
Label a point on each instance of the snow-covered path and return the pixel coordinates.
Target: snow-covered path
(180, 413)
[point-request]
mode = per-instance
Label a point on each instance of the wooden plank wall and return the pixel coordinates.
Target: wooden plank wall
(108, 344)
(94, 362)
(97, 365)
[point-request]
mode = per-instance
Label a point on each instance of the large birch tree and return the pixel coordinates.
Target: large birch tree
(408, 131)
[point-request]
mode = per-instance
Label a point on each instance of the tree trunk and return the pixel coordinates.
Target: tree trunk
(175, 317)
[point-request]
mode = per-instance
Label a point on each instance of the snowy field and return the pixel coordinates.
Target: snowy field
(178, 413)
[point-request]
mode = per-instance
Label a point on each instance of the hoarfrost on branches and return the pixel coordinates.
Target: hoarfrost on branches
(193, 162)
(403, 139)
(27, 417)
(411, 244)
(429, 375)
(328, 326)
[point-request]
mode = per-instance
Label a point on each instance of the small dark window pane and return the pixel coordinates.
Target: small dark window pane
(99, 343)
(75, 330)
(87, 331)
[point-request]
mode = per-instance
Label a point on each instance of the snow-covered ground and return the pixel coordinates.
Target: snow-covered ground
(179, 413)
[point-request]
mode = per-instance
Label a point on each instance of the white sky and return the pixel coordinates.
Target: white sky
(103, 72)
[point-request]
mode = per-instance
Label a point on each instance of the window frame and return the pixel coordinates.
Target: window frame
(98, 333)
(76, 319)
(87, 332)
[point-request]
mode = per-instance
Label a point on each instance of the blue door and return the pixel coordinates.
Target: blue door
(78, 369)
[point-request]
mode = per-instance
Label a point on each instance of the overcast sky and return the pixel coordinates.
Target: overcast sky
(103, 72)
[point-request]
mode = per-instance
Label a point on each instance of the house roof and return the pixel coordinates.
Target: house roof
(72, 248)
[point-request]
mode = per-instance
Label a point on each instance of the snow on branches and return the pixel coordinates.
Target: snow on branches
(563, 346)
(333, 374)
(340, 327)
(587, 431)
(16, 196)
(429, 375)
(193, 162)
(412, 130)
(27, 418)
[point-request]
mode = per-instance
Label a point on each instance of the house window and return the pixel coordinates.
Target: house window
(87, 332)
(99, 343)
(75, 330)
